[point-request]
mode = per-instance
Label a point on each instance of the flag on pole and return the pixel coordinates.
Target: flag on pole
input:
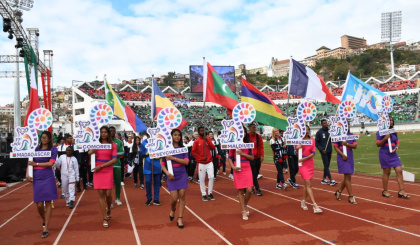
(306, 83)
(122, 110)
(267, 111)
(33, 95)
(216, 90)
(159, 101)
(368, 100)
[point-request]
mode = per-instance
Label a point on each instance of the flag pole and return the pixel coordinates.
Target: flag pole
(204, 93)
(288, 88)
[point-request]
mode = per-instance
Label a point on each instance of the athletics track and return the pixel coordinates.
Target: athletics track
(275, 217)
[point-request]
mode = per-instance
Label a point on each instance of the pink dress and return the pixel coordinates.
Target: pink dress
(104, 178)
(307, 168)
(242, 179)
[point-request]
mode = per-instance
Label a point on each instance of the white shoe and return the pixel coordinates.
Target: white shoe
(118, 202)
(259, 176)
(285, 186)
(224, 173)
(230, 176)
(112, 206)
(122, 183)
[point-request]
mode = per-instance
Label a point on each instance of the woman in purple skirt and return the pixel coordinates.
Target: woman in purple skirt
(390, 160)
(345, 166)
(44, 186)
(178, 182)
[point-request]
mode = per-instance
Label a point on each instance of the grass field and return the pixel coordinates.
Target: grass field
(366, 155)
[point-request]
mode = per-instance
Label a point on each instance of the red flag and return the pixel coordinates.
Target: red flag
(34, 98)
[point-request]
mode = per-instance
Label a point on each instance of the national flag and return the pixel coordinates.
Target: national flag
(306, 83)
(368, 99)
(267, 111)
(33, 95)
(160, 101)
(216, 90)
(122, 110)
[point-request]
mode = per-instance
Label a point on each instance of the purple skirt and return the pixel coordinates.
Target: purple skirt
(180, 181)
(387, 159)
(44, 186)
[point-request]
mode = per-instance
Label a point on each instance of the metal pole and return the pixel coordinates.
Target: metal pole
(17, 121)
(392, 60)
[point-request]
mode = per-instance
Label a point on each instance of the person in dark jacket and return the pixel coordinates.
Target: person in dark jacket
(324, 146)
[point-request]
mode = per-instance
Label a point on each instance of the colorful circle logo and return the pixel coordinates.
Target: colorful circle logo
(41, 119)
(244, 112)
(347, 109)
(101, 113)
(169, 117)
(387, 104)
(306, 111)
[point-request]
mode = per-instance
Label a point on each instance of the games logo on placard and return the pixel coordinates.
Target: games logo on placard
(383, 118)
(87, 137)
(233, 131)
(160, 142)
(339, 125)
(26, 138)
(296, 130)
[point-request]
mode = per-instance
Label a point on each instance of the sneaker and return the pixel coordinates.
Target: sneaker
(142, 186)
(215, 179)
(148, 202)
(211, 197)
(67, 204)
(59, 185)
(157, 203)
(285, 186)
(204, 199)
(118, 202)
(253, 190)
(290, 181)
(278, 186)
(162, 180)
(135, 185)
(259, 176)
(62, 197)
(112, 206)
(122, 183)
(333, 182)
(190, 178)
(89, 184)
(296, 186)
(230, 176)
(198, 181)
(259, 193)
(325, 182)
(71, 205)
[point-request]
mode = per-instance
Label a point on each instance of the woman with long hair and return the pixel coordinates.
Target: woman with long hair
(103, 179)
(278, 146)
(44, 186)
(390, 160)
(242, 176)
(345, 166)
(307, 170)
(138, 162)
(178, 181)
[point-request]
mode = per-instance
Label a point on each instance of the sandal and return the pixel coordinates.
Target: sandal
(171, 218)
(108, 215)
(179, 226)
(406, 196)
(105, 223)
(244, 217)
(247, 211)
(354, 200)
(44, 234)
(303, 205)
(338, 195)
(387, 196)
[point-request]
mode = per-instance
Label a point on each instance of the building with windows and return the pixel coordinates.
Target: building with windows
(349, 42)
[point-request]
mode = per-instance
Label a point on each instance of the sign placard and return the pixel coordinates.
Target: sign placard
(383, 119)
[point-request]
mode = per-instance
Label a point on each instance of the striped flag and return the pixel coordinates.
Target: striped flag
(122, 110)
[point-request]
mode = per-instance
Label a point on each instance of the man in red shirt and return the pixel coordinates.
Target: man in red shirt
(258, 153)
(201, 153)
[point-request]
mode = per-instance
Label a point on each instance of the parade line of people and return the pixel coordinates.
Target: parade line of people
(68, 168)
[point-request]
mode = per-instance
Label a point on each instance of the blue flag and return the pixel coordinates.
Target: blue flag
(368, 99)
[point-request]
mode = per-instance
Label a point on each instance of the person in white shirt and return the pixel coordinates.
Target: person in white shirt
(69, 169)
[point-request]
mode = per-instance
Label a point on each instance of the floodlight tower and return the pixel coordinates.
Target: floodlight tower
(18, 6)
(391, 31)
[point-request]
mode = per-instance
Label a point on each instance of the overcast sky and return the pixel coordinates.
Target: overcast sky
(131, 39)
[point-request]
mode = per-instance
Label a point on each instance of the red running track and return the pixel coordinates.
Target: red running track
(276, 217)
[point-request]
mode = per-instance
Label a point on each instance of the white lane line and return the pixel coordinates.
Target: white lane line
(16, 214)
(136, 234)
(369, 200)
(276, 219)
(349, 215)
(68, 219)
(204, 222)
(14, 190)
(365, 186)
